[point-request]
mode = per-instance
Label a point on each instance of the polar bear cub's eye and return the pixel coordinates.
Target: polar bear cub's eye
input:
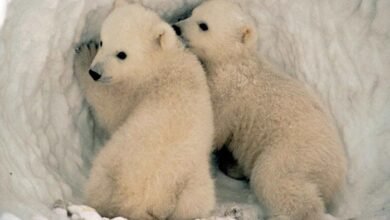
(203, 26)
(101, 43)
(121, 55)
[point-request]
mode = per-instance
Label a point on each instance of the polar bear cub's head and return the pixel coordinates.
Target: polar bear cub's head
(133, 38)
(217, 29)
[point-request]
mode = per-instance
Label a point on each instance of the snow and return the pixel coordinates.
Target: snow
(3, 6)
(47, 137)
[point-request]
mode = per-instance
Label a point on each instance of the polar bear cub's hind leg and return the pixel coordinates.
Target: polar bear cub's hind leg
(292, 198)
(197, 198)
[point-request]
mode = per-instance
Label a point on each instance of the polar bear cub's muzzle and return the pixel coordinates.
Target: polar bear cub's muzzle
(97, 74)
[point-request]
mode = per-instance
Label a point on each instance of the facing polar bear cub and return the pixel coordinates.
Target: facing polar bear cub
(281, 136)
(152, 96)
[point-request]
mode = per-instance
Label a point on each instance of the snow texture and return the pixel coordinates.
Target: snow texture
(3, 5)
(47, 141)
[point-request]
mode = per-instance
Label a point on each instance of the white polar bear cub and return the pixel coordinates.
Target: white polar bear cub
(277, 130)
(151, 95)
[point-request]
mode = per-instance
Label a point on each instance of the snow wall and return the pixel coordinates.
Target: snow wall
(47, 141)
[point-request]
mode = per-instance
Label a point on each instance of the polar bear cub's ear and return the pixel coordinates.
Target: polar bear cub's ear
(165, 36)
(248, 35)
(120, 3)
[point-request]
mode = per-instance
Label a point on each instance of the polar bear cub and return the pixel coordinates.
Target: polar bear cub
(277, 130)
(152, 95)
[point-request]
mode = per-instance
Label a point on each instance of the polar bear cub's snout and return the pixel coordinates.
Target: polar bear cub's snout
(95, 75)
(177, 29)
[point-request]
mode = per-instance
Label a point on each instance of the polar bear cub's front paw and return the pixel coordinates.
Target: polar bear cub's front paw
(84, 55)
(86, 52)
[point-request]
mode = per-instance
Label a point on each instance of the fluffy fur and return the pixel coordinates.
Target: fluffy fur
(156, 105)
(282, 137)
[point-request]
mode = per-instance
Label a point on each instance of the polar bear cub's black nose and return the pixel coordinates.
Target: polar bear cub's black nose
(95, 76)
(177, 29)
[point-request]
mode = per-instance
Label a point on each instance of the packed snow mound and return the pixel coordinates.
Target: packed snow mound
(48, 138)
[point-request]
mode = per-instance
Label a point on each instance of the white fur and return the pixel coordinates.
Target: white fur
(156, 106)
(280, 133)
